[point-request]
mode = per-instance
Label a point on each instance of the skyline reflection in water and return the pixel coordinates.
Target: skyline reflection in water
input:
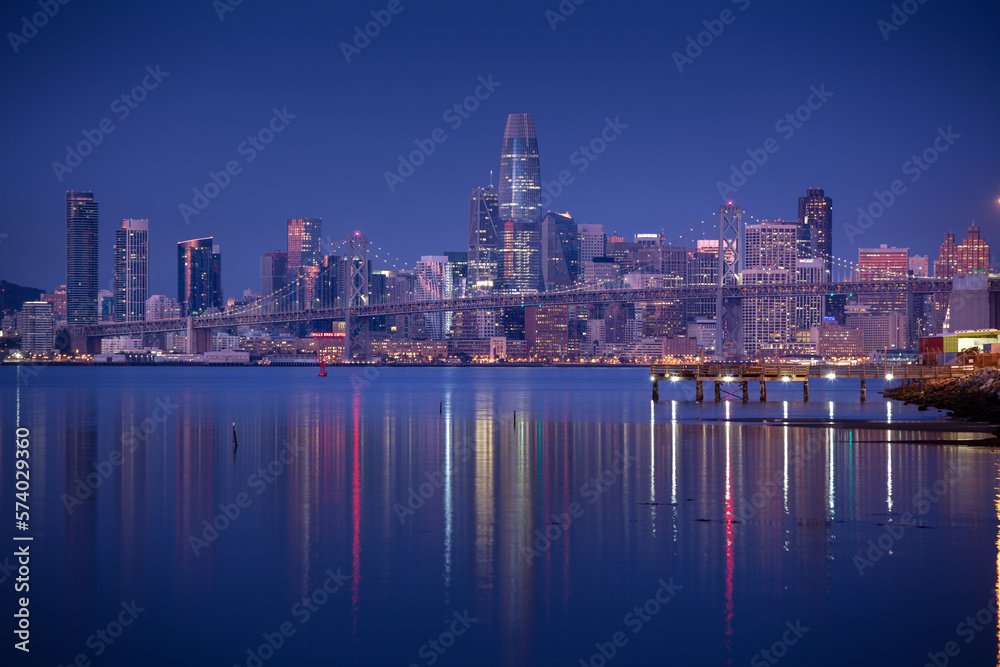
(377, 513)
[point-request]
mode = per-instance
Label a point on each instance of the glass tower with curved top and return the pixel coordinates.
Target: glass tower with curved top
(520, 174)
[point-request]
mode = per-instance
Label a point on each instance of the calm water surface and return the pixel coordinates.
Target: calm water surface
(406, 517)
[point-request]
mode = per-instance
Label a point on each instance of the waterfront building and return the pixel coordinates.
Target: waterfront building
(131, 270)
(434, 283)
(37, 327)
(484, 240)
(560, 251)
(81, 258)
(162, 307)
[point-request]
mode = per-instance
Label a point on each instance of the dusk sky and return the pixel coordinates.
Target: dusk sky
(887, 95)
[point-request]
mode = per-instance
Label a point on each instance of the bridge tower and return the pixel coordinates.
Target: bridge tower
(729, 311)
(357, 343)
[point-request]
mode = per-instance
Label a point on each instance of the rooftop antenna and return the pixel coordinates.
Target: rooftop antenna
(491, 178)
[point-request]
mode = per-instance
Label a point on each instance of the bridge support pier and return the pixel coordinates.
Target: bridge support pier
(763, 390)
(656, 391)
(863, 390)
(805, 390)
(699, 391)
(718, 391)
(746, 396)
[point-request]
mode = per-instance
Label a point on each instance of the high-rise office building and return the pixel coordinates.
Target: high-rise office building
(520, 257)
(484, 240)
(592, 242)
(520, 174)
(37, 327)
(199, 276)
(560, 251)
(973, 253)
(947, 261)
(131, 270)
(305, 257)
(883, 263)
(771, 245)
(815, 228)
(919, 266)
(273, 272)
(81, 258)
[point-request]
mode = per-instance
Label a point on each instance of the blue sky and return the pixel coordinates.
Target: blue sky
(682, 121)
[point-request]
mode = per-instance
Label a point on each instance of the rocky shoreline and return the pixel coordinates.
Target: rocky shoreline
(975, 397)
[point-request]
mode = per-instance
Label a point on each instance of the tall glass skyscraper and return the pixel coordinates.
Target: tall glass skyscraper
(131, 270)
(305, 256)
(485, 229)
(520, 174)
(560, 251)
(199, 276)
(81, 258)
(815, 234)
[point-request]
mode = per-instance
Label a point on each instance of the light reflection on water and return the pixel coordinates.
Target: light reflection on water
(423, 491)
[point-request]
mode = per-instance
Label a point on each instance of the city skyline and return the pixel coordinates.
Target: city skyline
(638, 133)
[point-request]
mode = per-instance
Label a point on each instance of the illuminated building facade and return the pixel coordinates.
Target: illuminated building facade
(131, 271)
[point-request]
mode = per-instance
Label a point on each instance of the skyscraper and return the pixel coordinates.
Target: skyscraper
(131, 270)
(520, 258)
(520, 174)
(273, 272)
(36, 327)
(81, 258)
(560, 251)
(484, 240)
(947, 261)
(199, 276)
(815, 233)
(305, 255)
(973, 253)
(434, 282)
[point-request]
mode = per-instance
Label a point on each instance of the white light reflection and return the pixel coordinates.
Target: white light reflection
(888, 472)
(448, 509)
(673, 411)
(888, 411)
(785, 404)
(673, 474)
(830, 464)
(652, 461)
(831, 409)
(785, 484)
(727, 412)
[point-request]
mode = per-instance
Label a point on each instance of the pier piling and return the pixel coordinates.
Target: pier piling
(805, 390)
(656, 390)
(763, 390)
(863, 391)
(746, 396)
(718, 391)
(699, 391)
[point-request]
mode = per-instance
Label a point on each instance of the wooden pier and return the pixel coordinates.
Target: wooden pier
(743, 374)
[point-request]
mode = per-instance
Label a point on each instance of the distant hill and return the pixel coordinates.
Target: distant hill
(12, 296)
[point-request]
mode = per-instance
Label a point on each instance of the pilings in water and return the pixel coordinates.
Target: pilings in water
(863, 390)
(718, 391)
(699, 391)
(746, 396)
(763, 390)
(656, 390)
(805, 390)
